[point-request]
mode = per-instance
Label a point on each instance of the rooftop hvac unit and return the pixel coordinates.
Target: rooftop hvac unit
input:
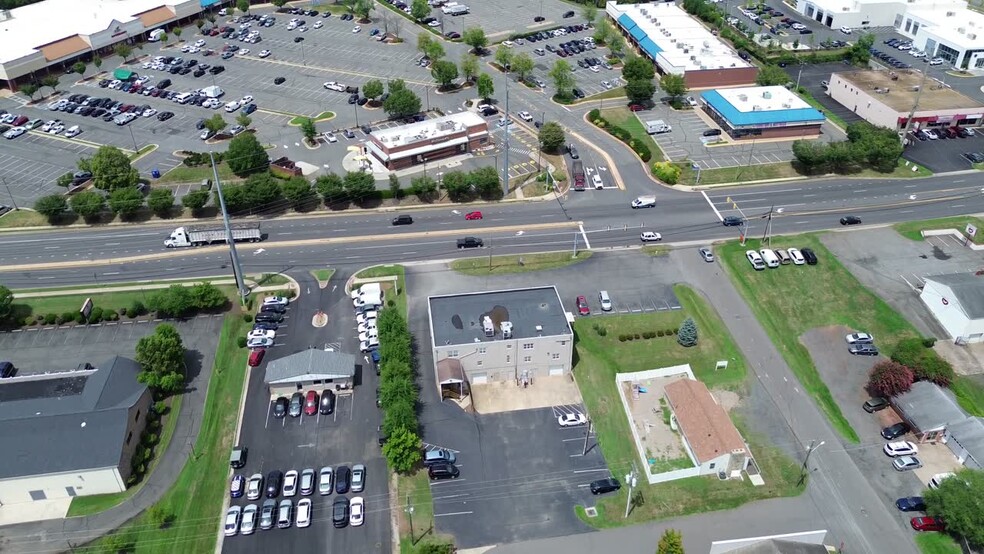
(539, 330)
(961, 30)
(686, 50)
(786, 105)
(767, 95)
(703, 67)
(680, 45)
(972, 36)
(951, 14)
(672, 40)
(756, 108)
(743, 97)
(707, 44)
(506, 327)
(693, 58)
(643, 11)
(488, 327)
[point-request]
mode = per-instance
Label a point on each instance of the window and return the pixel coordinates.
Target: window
(527, 359)
(479, 363)
(563, 342)
(509, 347)
(555, 356)
(129, 436)
(527, 346)
(137, 417)
(481, 350)
(70, 491)
(453, 353)
(508, 359)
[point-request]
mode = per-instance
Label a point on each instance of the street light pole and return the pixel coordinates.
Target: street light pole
(806, 461)
(135, 148)
(7, 186)
(409, 510)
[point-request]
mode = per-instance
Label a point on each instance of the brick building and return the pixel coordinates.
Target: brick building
(428, 140)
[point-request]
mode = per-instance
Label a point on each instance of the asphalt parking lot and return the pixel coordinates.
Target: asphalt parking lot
(944, 155)
(487, 14)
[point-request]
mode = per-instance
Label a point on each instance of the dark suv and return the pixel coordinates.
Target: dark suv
(273, 481)
(732, 221)
(402, 220)
(340, 512)
(602, 486)
(470, 242)
(442, 471)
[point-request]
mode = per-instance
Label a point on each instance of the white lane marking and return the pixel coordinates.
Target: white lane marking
(584, 235)
(454, 514)
(711, 204)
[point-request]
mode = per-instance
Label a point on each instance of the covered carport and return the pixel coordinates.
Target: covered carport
(451, 379)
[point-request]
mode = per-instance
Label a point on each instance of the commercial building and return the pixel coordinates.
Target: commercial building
(429, 140)
(70, 433)
(761, 112)
(57, 33)
(928, 409)
(680, 44)
(941, 28)
(507, 335)
(711, 439)
(957, 302)
(966, 440)
(311, 369)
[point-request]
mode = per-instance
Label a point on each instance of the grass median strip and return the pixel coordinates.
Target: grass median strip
(323, 275)
(626, 119)
(791, 300)
(71, 302)
(500, 265)
(937, 543)
(414, 490)
(23, 218)
(912, 229)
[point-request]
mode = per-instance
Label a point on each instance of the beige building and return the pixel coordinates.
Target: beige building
(70, 433)
(711, 439)
(507, 335)
(312, 369)
(885, 98)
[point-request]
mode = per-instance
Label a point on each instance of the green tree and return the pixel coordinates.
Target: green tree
(164, 38)
(243, 120)
(811, 154)
(246, 155)
(400, 389)
(78, 67)
(111, 169)
(52, 206)
(262, 192)
(88, 204)
(308, 129)
(670, 543)
(399, 415)
(125, 201)
(97, 61)
(30, 89)
(359, 186)
(434, 50)
(958, 502)
(444, 72)
(401, 103)
(362, 9)
(6, 302)
(503, 57)
(638, 69)
(279, 3)
(419, 9)
(118, 543)
(485, 86)
(195, 200)
(394, 185)
(551, 137)
(177, 32)
(160, 516)
(423, 42)
(640, 91)
(373, 88)
(395, 85)
(331, 187)
(402, 450)
(469, 66)
(456, 184)
(201, 22)
(236, 199)
(475, 37)
(206, 296)
(423, 187)
(687, 336)
(161, 202)
(616, 45)
(487, 182)
(590, 13)
(298, 191)
(215, 123)
(562, 79)
(522, 65)
(50, 81)
(123, 50)
(771, 75)
(160, 355)
(674, 85)
(603, 32)
(859, 53)
(242, 5)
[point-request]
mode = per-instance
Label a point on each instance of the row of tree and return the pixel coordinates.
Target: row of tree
(866, 146)
(398, 393)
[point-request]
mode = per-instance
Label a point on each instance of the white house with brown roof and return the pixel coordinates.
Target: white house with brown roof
(709, 436)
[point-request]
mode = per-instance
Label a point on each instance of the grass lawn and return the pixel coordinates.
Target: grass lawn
(323, 116)
(970, 395)
(196, 497)
(937, 543)
(70, 289)
(323, 274)
(786, 303)
(185, 174)
(526, 263)
(270, 279)
(415, 489)
(41, 305)
(617, 92)
(85, 505)
(134, 156)
(758, 172)
(23, 218)
(400, 298)
(600, 357)
(911, 229)
(626, 119)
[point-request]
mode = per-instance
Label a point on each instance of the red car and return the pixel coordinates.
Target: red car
(582, 306)
(927, 524)
(256, 357)
(311, 403)
(636, 107)
(473, 215)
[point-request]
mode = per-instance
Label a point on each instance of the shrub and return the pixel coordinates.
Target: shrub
(111, 316)
(688, 333)
(603, 331)
(96, 315)
(248, 318)
(929, 342)
(151, 439)
(934, 368)
(30, 320)
(241, 341)
(659, 333)
(160, 407)
(69, 316)
(674, 331)
(889, 378)
(136, 309)
(667, 172)
(637, 336)
(50, 318)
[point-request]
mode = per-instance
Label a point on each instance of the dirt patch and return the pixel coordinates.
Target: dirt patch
(727, 399)
(662, 444)
(506, 396)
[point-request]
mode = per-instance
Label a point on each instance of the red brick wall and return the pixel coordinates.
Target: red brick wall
(711, 78)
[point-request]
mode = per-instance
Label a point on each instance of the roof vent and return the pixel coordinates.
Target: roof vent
(767, 95)
(507, 329)
(787, 105)
(972, 36)
(488, 327)
(961, 30)
(951, 14)
(756, 108)
(743, 97)
(539, 330)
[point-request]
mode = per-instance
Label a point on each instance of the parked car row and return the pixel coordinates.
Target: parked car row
(310, 403)
(265, 325)
(861, 344)
(770, 258)
(888, 59)
(944, 133)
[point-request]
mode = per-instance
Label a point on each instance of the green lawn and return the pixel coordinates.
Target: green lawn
(270, 279)
(600, 357)
(911, 229)
(323, 275)
(196, 497)
(617, 92)
(937, 543)
(970, 394)
(626, 119)
(85, 505)
(134, 156)
(415, 489)
(758, 172)
(323, 116)
(23, 218)
(791, 300)
(500, 265)
(400, 298)
(71, 288)
(185, 174)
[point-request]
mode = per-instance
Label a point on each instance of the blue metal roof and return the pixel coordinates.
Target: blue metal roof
(626, 22)
(207, 3)
(637, 33)
(741, 119)
(650, 47)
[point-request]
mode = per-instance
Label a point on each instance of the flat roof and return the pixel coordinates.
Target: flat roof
(428, 131)
(667, 31)
(954, 23)
(855, 6)
(761, 106)
(457, 318)
(902, 91)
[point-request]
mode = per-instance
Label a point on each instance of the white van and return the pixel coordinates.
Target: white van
(606, 301)
(183, 98)
(769, 257)
(644, 202)
(755, 260)
(155, 35)
(934, 483)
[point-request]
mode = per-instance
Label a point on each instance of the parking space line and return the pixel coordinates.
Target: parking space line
(453, 514)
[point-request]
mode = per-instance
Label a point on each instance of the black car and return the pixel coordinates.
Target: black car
(732, 221)
(275, 308)
(200, 124)
(164, 116)
(279, 81)
(266, 325)
(280, 407)
(343, 479)
(273, 481)
(875, 404)
(340, 512)
(442, 471)
(7, 369)
(809, 255)
(298, 39)
(470, 242)
(199, 73)
(402, 220)
(353, 98)
(538, 18)
(863, 350)
(362, 101)
(601, 486)
(895, 431)
(489, 111)
(216, 69)
(578, 93)
(850, 220)
(327, 405)
(269, 316)
(911, 504)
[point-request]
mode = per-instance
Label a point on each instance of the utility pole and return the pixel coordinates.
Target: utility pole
(806, 461)
(409, 510)
(587, 430)
(505, 158)
(631, 481)
(768, 226)
(915, 106)
(237, 270)
(12, 199)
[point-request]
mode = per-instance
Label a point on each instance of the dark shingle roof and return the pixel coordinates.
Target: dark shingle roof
(457, 318)
(66, 421)
(928, 407)
(310, 365)
(969, 290)
(970, 434)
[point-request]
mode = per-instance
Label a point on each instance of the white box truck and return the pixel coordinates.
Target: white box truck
(368, 288)
(213, 91)
(200, 236)
(368, 301)
(156, 35)
(657, 126)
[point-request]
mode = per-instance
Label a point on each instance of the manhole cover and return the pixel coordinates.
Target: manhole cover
(591, 512)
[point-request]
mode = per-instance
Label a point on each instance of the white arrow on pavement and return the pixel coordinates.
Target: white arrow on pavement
(259, 251)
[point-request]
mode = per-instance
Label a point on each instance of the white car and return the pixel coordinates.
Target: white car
(248, 526)
(859, 338)
(15, 132)
(259, 343)
(232, 521)
(366, 346)
(508, 43)
(845, 30)
(245, 100)
(796, 256)
(261, 333)
(264, 53)
(366, 316)
(276, 301)
(337, 87)
(304, 513)
(290, 483)
(254, 488)
(525, 116)
(607, 85)
(571, 420)
(330, 137)
(149, 112)
(370, 324)
(326, 480)
(597, 182)
(901, 448)
(236, 129)
(369, 335)
(434, 23)
(691, 101)
(318, 25)
(232, 106)
(243, 51)
(650, 236)
(357, 511)
(302, 29)
(356, 29)
(200, 42)
(755, 259)
(48, 125)
(73, 131)
(936, 61)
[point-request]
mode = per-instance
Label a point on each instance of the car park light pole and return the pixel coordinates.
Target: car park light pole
(806, 461)
(135, 148)
(237, 270)
(12, 200)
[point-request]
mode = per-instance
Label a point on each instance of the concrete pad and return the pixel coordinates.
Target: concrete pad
(24, 512)
(545, 392)
(936, 458)
(966, 359)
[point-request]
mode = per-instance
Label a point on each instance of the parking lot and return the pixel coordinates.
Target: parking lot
(488, 14)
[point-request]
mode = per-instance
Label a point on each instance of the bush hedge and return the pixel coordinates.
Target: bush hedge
(621, 134)
(195, 159)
